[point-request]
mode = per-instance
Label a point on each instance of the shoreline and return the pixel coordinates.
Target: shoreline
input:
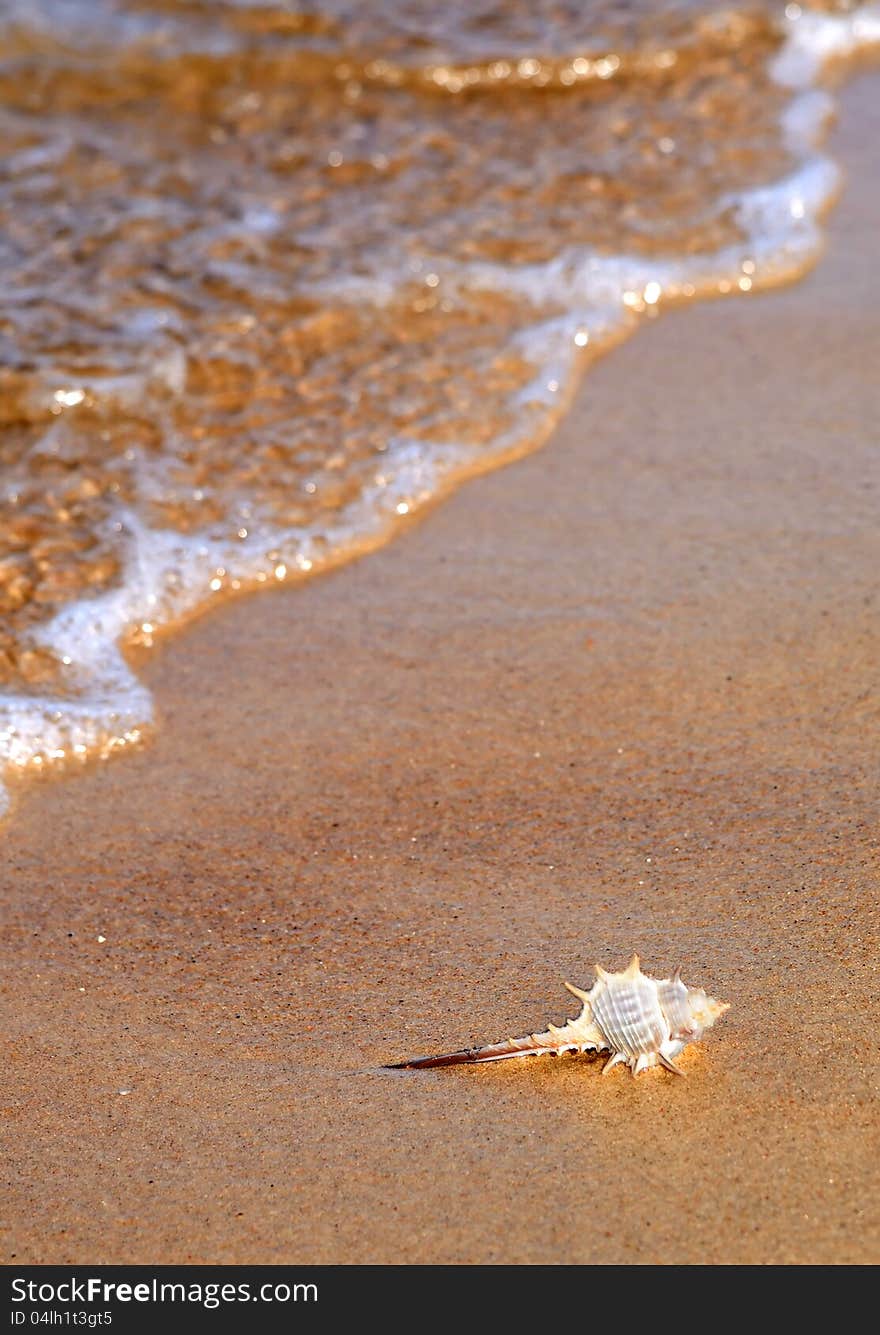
(108, 709)
(619, 695)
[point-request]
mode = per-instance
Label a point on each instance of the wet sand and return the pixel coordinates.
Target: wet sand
(620, 695)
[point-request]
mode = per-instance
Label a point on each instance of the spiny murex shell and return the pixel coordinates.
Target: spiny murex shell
(641, 1021)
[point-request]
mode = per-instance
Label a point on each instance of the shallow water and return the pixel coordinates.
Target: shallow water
(275, 277)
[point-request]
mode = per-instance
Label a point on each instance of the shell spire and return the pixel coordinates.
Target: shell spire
(642, 1021)
(578, 1035)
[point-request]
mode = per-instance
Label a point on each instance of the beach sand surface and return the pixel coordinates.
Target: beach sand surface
(622, 695)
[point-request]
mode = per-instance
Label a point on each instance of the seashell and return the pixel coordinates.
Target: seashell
(641, 1021)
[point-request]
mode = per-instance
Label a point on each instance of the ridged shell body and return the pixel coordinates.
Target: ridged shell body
(641, 1021)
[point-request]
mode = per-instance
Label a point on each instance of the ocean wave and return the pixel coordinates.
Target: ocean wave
(239, 356)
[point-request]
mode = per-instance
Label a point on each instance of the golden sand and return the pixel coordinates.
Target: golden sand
(385, 813)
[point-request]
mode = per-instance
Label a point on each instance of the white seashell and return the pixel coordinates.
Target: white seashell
(641, 1021)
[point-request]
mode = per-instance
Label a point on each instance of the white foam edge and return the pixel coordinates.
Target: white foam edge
(812, 39)
(166, 577)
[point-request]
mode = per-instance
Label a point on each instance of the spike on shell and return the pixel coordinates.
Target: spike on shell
(642, 1021)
